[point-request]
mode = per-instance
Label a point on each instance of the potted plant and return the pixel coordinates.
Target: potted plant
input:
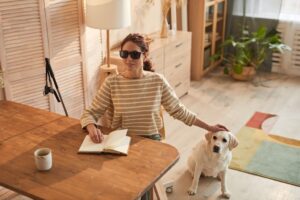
(247, 52)
(244, 54)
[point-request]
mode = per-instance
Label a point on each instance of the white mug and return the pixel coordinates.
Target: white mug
(43, 159)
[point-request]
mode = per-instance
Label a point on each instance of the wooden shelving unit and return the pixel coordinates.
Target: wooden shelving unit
(206, 21)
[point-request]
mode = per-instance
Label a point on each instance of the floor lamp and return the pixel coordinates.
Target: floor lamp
(107, 15)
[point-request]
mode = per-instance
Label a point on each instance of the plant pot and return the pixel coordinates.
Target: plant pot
(247, 74)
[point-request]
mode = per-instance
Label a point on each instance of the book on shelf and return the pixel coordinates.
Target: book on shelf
(116, 142)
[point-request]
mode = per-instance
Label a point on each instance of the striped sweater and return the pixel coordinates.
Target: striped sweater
(134, 104)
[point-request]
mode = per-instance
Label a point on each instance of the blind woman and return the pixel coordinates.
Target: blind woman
(133, 98)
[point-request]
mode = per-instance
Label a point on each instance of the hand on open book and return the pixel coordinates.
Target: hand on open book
(95, 133)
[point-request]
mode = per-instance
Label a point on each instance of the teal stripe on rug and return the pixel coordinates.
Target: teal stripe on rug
(277, 161)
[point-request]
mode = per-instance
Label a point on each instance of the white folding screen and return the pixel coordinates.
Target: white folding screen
(32, 30)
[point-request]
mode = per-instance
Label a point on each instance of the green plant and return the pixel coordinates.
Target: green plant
(250, 49)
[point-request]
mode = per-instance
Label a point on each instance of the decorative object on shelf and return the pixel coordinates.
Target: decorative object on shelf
(164, 28)
(108, 14)
(165, 10)
(148, 39)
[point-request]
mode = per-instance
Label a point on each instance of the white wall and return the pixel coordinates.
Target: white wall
(146, 18)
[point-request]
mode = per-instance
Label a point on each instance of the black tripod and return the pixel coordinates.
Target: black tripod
(48, 87)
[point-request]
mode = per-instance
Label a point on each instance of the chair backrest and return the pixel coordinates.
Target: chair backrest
(103, 74)
(162, 131)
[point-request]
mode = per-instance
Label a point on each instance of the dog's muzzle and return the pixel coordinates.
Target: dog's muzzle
(216, 149)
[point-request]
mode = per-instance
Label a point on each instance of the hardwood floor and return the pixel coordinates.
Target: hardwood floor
(6, 194)
(219, 99)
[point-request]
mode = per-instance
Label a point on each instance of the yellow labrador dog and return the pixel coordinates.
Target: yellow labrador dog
(211, 157)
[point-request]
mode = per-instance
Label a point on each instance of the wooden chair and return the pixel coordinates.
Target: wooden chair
(162, 131)
(159, 188)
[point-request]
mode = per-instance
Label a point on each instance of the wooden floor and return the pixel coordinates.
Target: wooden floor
(218, 99)
(6, 194)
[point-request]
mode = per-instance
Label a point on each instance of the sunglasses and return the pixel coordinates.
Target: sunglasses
(133, 54)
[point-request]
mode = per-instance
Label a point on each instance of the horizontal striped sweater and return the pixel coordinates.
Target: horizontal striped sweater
(134, 104)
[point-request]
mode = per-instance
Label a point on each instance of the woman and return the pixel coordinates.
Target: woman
(134, 97)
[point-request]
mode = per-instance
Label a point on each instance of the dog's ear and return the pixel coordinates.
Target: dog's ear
(233, 142)
(208, 136)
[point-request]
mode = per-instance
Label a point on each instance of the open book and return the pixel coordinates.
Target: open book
(116, 142)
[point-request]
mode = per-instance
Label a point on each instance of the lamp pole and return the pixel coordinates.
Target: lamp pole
(107, 49)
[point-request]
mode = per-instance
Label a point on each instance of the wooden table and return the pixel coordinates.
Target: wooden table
(23, 129)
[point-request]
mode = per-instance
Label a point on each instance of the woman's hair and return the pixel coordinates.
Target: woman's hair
(139, 40)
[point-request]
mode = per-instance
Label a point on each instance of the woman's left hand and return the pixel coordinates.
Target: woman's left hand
(216, 128)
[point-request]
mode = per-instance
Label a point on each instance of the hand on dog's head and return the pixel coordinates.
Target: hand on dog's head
(221, 140)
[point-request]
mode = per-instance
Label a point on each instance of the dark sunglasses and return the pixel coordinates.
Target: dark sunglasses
(133, 54)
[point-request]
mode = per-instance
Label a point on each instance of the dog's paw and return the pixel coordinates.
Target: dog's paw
(226, 195)
(192, 191)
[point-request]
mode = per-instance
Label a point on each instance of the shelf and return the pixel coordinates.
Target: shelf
(218, 38)
(217, 62)
(209, 34)
(209, 3)
(208, 23)
(207, 44)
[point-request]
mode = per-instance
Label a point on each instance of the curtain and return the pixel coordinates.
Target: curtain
(289, 26)
(290, 11)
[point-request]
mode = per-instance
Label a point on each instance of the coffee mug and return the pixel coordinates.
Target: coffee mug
(43, 159)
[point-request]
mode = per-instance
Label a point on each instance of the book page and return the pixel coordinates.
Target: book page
(89, 146)
(115, 139)
(122, 148)
(115, 142)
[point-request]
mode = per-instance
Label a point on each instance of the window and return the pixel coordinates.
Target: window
(268, 9)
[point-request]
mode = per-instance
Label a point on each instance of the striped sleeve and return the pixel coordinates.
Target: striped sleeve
(174, 107)
(100, 104)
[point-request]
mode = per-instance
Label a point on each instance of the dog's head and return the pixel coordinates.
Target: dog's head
(221, 141)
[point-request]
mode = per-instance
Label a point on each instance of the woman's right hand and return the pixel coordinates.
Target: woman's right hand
(95, 133)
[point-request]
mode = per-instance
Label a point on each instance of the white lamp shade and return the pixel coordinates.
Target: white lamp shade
(108, 14)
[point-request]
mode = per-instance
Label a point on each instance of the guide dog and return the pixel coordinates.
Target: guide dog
(211, 157)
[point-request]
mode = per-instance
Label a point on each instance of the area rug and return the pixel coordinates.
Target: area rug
(266, 155)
